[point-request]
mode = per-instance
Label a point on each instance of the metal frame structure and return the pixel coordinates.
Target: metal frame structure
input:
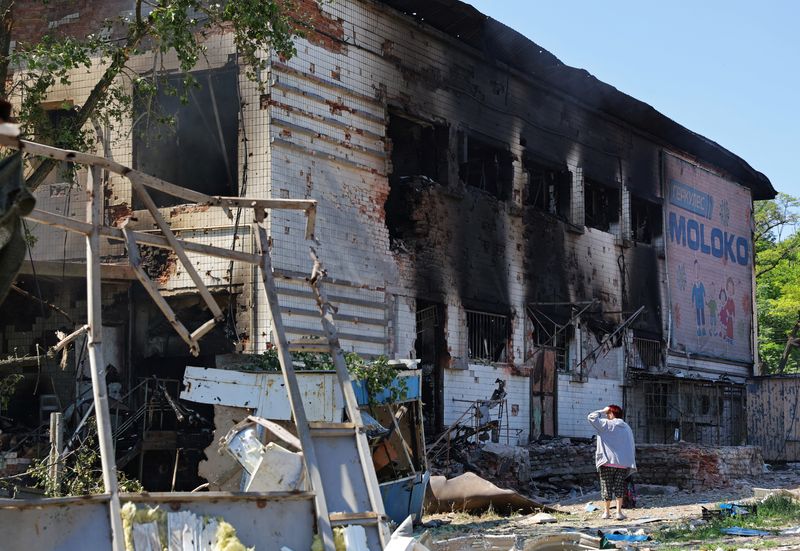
(663, 408)
(93, 228)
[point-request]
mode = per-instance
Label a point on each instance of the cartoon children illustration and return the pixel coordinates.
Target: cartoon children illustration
(727, 313)
(712, 311)
(699, 301)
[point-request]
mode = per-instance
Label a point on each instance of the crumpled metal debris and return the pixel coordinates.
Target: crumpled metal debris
(471, 493)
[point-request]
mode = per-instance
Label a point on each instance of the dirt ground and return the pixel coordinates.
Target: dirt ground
(653, 513)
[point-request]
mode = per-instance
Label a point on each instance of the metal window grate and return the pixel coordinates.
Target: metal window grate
(487, 336)
(549, 335)
(661, 409)
(427, 318)
(645, 353)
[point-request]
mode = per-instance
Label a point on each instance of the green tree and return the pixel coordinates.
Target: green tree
(162, 26)
(777, 247)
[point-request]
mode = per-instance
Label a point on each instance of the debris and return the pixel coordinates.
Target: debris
(471, 493)
(647, 520)
(739, 531)
(568, 541)
(270, 467)
(402, 539)
(435, 523)
(543, 518)
(763, 493)
(591, 507)
(791, 531)
(728, 510)
(486, 542)
(626, 537)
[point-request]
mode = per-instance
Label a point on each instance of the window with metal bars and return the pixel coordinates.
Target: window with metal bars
(645, 353)
(487, 336)
(552, 336)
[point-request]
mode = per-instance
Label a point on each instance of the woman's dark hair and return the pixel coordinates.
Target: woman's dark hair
(616, 410)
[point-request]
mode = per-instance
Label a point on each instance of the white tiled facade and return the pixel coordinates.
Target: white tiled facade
(319, 131)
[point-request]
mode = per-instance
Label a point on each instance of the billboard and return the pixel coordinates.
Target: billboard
(709, 262)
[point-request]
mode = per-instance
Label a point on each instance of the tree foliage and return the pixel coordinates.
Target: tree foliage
(163, 26)
(777, 247)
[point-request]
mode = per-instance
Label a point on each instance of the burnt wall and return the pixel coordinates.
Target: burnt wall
(454, 239)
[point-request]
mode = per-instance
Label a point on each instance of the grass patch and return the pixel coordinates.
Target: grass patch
(775, 512)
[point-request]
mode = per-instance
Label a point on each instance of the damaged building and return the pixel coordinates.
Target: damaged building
(483, 208)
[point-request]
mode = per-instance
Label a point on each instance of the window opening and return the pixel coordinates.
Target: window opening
(548, 189)
(57, 128)
(646, 220)
(193, 144)
(487, 336)
(601, 205)
(419, 150)
(486, 167)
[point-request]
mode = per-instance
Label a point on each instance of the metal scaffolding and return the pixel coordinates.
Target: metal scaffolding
(94, 227)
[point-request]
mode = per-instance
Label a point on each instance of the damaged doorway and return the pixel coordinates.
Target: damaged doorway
(543, 395)
(431, 350)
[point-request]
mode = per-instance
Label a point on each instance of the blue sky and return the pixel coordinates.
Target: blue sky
(729, 70)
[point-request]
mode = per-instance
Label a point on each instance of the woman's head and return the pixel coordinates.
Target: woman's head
(616, 411)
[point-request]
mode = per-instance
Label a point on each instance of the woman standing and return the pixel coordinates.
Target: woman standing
(615, 456)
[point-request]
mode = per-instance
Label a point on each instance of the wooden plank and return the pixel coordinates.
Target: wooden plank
(178, 249)
(161, 303)
(143, 238)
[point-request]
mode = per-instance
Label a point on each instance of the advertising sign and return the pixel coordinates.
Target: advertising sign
(709, 262)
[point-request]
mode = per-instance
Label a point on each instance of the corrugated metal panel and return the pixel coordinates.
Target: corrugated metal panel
(773, 405)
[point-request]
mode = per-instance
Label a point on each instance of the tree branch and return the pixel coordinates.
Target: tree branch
(6, 24)
(96, 96)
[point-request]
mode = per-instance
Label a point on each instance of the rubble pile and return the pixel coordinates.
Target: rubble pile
(550, 470)
(696, 468)
(563, 463)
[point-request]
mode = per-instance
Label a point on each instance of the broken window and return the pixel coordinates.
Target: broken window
(487, 336)
(646, 220)
(548, 189)
(192, 144)
(601, 205)
(486, 166)
(419, 150)
(56, 127)
(547, 334)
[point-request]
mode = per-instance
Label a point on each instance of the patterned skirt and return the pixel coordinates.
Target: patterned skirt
(612, 482)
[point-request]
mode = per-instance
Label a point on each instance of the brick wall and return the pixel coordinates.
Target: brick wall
(476, 383)
(692, 467)
(686, 466)
(78, 18)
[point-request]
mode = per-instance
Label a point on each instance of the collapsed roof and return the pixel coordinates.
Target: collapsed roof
(502, 43)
